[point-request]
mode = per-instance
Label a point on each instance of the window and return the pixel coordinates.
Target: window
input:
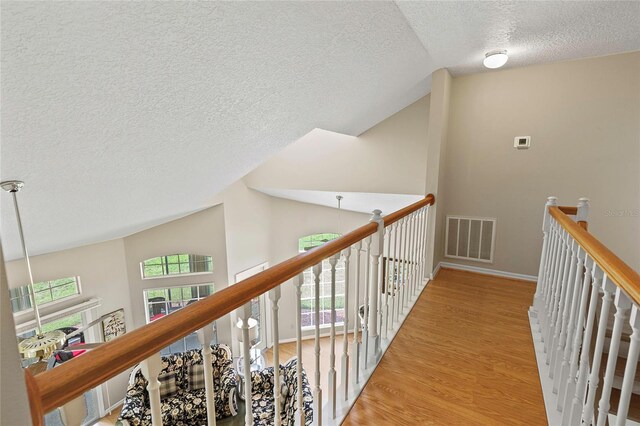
(307, 297)
(176, 264)
(45, 292)
(160, 302)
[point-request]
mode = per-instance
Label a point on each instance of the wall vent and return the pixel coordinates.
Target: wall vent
(470, 238)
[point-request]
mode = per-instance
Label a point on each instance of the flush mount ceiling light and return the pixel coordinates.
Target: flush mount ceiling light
(495, 59)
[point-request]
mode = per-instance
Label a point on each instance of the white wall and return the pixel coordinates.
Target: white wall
(388, 158)
(584, 121)
(101, 268)
(14, 403)
(200, 233)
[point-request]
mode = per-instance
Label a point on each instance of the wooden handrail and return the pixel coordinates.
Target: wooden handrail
(57, 386)
(396, 216)
(619, 272)
(572, 210)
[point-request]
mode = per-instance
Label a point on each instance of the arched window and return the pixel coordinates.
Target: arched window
(307, 297)
(176, 264)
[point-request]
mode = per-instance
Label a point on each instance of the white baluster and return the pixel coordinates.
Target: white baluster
(555, 304)
(561, 318)
(345, 329)
(555, 260)
(405, 265)
(578, 398)
(244, 314)
(546, 280)
(150, 368)
(391, 275)
(365, 329)
(608, 287)
(409, 258)
(333, 260)
(298, 284)
(396, 271)
(414, 238)
(561, 377)
(274, 297)
(630, 369)
(385, 283)
(564, 401)
(205, 336)
(423, 254)
(401, 266)
(377, 242)
(317, 391)
(544, 258)
(623, 304)
(355, 351)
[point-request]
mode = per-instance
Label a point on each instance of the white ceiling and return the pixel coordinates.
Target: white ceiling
(457, 34)
(123, 115)
(362, 202)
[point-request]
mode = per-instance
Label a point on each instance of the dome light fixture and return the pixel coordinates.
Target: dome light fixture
(495, 59)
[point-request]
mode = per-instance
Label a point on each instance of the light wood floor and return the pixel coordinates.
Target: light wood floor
(464, 356)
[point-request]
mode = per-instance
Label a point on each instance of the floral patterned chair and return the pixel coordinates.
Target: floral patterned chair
(262, 404)
(186, 403)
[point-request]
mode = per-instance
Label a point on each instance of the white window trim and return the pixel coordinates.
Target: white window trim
(164, 277)
(28, 325)
(52, 304)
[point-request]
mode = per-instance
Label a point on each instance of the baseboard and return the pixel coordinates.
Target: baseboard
(434, 274)
(486, 271)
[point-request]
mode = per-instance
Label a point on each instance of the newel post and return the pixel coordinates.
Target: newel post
(546, 231)
(377, 243)
(583, 211)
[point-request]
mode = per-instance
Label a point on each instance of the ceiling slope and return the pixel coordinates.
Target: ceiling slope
(122, 115)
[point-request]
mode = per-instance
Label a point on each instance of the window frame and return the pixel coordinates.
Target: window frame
(179, 274)
(181, 287)
(49, 304)
(339, 266)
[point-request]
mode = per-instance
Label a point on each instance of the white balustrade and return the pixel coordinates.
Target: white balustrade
(299, 397)
(385, 282)
(630, 369)
(150, 369)
(345, 328)
(205, 336)
(573, 416)
(317, 391)
(623, 304)
(365, 329)
(562, 306)
(244, 314)
(608, 288)
(395, 276)
(274, 297)
(333, 260)
(377, 243)
(355, 351)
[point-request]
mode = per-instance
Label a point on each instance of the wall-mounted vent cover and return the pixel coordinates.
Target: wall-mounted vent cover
(470, 238)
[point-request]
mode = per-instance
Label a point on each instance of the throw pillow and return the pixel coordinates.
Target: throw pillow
(168, 386)
(196, 377)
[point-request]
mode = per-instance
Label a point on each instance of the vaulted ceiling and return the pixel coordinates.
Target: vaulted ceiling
(123, 115)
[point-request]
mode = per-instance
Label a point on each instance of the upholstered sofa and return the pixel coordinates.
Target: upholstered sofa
(262, 404)
(185, 402)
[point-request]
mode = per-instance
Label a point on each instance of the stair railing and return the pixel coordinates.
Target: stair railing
(578, 281)
(395, 244)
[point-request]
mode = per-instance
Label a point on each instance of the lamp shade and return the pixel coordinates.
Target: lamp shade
(253, 330)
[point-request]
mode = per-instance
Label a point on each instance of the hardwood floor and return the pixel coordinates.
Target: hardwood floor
(464, 356)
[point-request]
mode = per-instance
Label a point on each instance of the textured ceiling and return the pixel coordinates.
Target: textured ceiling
(458, 34)
(123, 115)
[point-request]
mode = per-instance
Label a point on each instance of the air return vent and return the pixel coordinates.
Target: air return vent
(470, 238)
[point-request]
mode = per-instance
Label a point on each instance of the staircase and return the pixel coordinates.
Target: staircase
(585, 321)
